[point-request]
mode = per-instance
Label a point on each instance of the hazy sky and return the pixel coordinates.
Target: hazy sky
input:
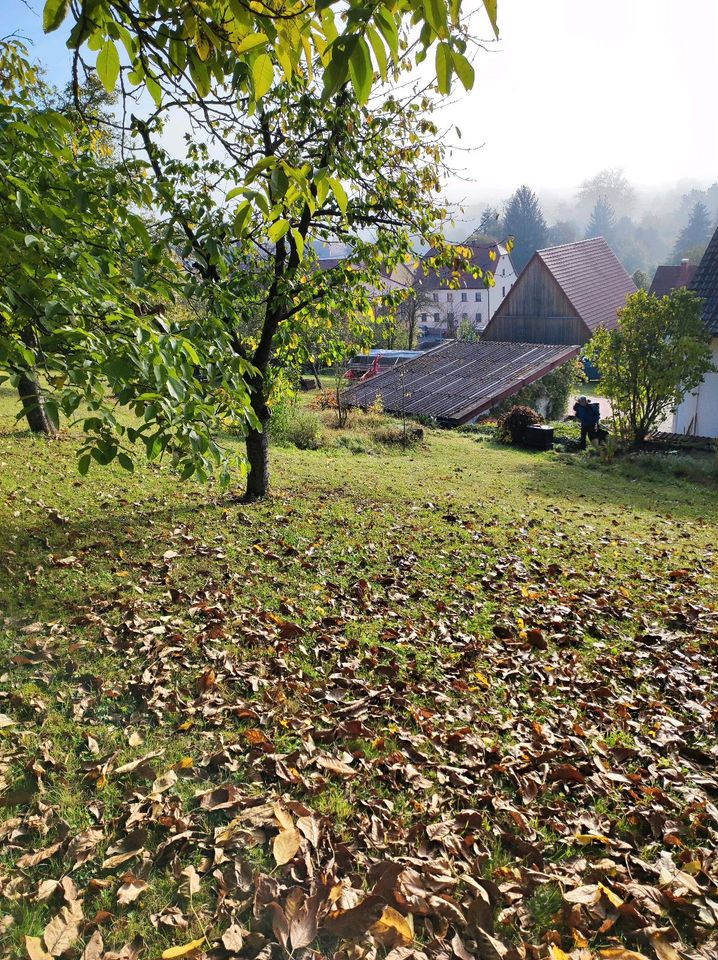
(571, 87)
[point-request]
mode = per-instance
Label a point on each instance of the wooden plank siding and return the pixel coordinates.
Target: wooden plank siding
(536, 310)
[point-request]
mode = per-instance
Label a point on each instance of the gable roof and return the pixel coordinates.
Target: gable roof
(483, 255)
(671, 277)
(457, 381)
(705, 284)
(591, 276)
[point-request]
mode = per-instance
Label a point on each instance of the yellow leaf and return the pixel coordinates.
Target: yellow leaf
(392, 926)
(610, 895)
(585, 838)
(285, 845)
(184, 950)
(556, 953)
(482, 679)
(621, 953)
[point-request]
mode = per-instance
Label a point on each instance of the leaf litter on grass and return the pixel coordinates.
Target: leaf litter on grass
(506, 759)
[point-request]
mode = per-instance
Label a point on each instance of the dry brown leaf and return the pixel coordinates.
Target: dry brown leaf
(32, 859)
(94, 947)
(232, 939)
(663, 949)
(335, 766)
(164, 782)
(63, 930)
(83, 846)
(286, 844)
(35, 949)
(130, 890)
(190, 884)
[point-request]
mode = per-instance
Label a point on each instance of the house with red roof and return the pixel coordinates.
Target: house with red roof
(672, 277)
(563, 295)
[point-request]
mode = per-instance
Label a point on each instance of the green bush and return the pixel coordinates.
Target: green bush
(296, 426)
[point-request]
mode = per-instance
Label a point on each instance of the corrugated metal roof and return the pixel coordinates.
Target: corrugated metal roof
(592, 278)
(705, 284)
(671, 277)
(457, 381)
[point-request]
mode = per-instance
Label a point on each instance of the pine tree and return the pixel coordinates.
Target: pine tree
(695, 234)
(524, 221)
(603, 220)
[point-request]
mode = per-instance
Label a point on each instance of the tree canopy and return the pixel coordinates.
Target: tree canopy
(525, 223)
(292, 137)
(658, 353)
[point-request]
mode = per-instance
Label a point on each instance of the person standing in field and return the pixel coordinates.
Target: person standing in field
(588, 414)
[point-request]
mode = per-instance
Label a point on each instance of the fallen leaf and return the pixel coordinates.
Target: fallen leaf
(35, 949)
(285, 845)
(184, 950)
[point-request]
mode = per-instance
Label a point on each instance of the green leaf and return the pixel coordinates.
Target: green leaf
(444, 68)
(108, 65)
(154, 89)
(126, 462)
(262, 75)
(252, 41)
(83, 464)
(54, 13)
(464, 70)
(339, 193)
(377, 46)
(277, 230)
(384, 19)
(491, 9)
(360, 70)
(435, 12)
(299, 240)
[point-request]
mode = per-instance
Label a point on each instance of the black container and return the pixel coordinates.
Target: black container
(538, 437)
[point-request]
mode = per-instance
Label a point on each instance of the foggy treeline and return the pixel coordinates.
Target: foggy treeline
(643, 228)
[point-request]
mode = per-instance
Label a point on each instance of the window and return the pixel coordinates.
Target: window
(478, 316)
(423, 318)
(435, 297)
(477, 296)
(449, 297)
(464, 316)
(503, 291)
(464, 297)
(436, 318)
(450, 317)
(503, 271)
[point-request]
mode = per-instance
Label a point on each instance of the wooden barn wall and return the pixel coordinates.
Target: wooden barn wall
(537, 310)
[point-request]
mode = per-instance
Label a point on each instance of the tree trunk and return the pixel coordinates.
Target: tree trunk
(257, 446)
(33, 405)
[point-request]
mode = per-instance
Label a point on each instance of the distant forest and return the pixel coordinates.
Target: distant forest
(643, 235)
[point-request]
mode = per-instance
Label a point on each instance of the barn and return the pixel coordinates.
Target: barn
(563, 295)
(697, 415)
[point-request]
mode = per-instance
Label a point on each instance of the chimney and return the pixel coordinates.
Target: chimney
(684, 271)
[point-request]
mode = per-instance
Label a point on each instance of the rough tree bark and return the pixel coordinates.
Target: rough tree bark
(257, 447)
(33, 405)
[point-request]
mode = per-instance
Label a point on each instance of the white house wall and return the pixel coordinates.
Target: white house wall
(475, 304)
(698, 413)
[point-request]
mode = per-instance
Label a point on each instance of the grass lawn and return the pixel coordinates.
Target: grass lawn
(458, 701)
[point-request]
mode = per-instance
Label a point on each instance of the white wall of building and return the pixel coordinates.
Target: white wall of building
(698, 413)
(477, 305)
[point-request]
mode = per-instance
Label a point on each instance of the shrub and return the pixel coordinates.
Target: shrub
(292, 425)
(512, 426)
